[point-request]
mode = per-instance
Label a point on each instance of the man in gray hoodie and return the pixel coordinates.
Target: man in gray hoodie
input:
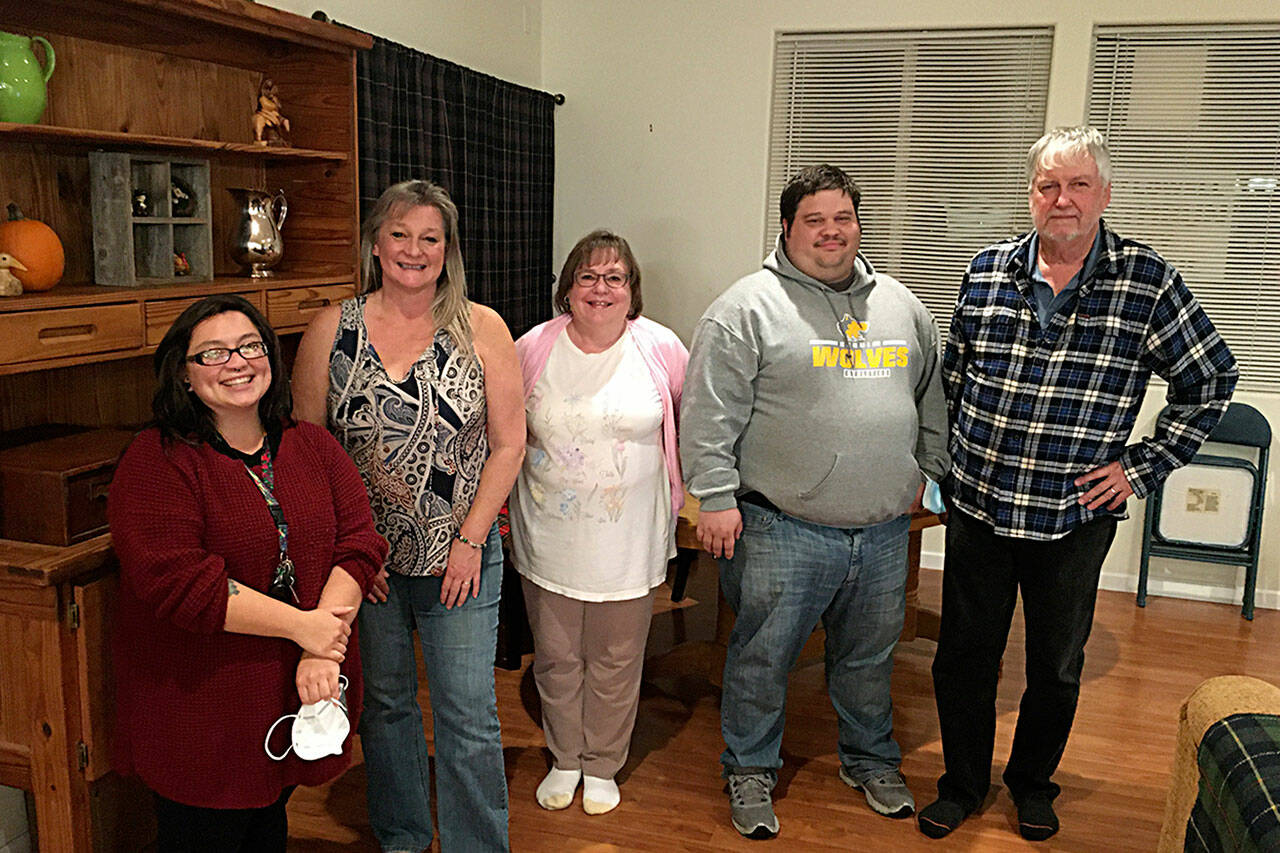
(813, 411)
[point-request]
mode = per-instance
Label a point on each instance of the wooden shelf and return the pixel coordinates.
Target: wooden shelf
(45, 565)
(225, 31)
(91, 294)
(82, 138)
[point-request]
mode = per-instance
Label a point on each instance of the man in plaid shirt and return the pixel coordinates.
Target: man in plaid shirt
(1054, 337)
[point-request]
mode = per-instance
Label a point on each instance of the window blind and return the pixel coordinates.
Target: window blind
(934, 126)
(1192, 119)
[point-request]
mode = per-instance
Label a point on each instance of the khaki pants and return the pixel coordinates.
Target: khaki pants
(588, 659)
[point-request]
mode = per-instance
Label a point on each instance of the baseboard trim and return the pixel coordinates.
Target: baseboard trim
(1268, 599)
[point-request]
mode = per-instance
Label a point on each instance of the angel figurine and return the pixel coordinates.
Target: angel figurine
(269, 124)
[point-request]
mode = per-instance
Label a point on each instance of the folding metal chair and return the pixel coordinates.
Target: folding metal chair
(1211, 510)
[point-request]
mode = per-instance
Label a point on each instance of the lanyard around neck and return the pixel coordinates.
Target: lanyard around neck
(273, 505)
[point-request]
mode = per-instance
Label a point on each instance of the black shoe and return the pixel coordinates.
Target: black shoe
(1036, 819)
(940, 817)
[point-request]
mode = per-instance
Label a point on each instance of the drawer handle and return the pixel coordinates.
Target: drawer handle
(313, 304)
(99, 492)
(58, 333)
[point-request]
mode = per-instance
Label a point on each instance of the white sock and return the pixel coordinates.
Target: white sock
(555, 791)
(599, 795)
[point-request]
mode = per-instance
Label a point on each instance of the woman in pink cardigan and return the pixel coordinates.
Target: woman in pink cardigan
(594, 509)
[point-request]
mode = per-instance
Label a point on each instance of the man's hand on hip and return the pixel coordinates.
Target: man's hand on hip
(1111, 488)
(717, 531)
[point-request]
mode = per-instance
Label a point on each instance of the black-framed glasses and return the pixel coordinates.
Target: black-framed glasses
(221, 355)
(614, 280)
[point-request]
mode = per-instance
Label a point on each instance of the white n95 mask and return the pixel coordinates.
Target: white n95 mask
(319, 729)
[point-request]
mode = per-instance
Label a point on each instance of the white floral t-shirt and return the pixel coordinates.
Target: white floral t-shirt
(591, 510)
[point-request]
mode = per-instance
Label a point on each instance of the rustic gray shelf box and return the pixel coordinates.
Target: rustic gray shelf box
(137, 242)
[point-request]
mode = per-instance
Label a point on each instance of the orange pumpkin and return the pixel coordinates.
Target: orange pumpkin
(36, 246)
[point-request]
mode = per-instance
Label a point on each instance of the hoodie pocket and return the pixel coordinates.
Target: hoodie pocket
(818, 486)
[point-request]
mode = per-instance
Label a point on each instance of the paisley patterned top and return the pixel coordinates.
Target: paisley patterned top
(419, 443)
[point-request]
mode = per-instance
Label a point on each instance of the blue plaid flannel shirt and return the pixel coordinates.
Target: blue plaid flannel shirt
(1031, 409)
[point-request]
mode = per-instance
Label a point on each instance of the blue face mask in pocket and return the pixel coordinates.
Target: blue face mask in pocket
(932, 499)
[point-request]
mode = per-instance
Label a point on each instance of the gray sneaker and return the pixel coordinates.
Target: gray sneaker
(751, 805)
(887, 794)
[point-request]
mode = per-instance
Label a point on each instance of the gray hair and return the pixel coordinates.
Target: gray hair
(451, 309)
(1069, 143)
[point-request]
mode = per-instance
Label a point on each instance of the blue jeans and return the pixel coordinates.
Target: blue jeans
(458, 647)
(785, 576)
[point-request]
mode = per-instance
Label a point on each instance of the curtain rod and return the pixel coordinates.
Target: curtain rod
(319, 15)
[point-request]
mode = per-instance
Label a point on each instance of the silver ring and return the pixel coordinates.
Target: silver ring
(1114, 489)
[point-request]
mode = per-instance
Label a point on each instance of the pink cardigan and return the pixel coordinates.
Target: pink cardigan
(663, 353)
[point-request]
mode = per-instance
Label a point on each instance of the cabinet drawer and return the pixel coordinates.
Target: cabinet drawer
(58, 332)
(87, 504)
(291, 310)
(54, 509)
(162, 312)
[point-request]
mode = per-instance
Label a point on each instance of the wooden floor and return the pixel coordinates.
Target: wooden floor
(1140, 665)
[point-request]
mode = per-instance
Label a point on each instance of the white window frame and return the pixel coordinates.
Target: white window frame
(1192, 119)
(933, 125)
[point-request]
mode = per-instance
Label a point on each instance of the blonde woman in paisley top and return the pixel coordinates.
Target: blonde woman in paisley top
(423, 389)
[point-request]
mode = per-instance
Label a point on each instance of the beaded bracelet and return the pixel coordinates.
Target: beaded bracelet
(465, 541)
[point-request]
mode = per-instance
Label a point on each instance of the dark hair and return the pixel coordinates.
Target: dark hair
(178, 412)
(600, 240)
(813, 179)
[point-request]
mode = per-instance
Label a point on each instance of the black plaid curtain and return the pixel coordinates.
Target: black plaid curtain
(490, 143)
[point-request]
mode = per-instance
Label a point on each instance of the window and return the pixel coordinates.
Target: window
(934, 126)
(1192, 119)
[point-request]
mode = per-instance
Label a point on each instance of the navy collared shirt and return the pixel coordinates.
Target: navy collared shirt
(1049, 303)
(1031, 408)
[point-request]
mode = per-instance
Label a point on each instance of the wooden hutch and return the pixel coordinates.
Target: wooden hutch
(170, 78)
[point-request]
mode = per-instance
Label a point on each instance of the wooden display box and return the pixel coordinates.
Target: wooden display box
(132, 248)
(55, 491)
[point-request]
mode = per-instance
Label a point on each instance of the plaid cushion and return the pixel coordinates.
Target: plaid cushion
(1239, 803)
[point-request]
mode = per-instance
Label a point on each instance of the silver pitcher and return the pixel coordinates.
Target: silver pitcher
(257, 243)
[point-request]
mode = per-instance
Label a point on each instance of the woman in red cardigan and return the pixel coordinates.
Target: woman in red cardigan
(245, 543)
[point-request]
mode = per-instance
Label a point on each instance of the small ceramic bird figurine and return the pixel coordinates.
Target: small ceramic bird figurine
(9, 284)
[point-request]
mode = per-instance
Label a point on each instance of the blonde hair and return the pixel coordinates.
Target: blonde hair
(451, 310)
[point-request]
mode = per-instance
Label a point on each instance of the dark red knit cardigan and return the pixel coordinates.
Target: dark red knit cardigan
(193, 702)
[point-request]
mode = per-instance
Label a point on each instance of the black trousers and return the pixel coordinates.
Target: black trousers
(983, 574)
(194, 829)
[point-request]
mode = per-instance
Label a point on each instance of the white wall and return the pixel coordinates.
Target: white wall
(664, 137)
(498, 37)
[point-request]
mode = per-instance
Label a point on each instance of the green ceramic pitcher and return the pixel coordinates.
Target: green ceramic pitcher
(22, 80)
